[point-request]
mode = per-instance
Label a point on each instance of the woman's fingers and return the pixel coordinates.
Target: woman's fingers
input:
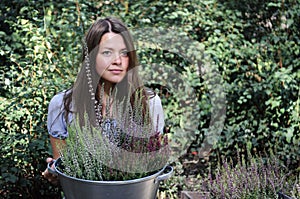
(48, 160)
(49, 176)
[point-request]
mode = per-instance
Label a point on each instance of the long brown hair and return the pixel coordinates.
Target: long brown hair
(78, 99)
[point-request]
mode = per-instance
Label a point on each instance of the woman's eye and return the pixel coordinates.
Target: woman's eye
(106, 53)
(124, 53)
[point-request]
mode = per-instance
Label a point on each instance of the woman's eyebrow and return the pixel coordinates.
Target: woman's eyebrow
(109, 48)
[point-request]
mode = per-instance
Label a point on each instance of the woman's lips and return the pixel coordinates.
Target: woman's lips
(115, 71)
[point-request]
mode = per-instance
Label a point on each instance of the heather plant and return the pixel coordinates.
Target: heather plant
(125, 147)
(256, 178)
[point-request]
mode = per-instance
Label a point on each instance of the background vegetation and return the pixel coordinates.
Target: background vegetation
(252, 44)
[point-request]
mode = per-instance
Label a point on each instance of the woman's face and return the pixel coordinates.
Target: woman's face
(112, 59)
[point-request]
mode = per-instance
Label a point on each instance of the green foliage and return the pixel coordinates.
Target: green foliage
(262, 82)
(253, 47)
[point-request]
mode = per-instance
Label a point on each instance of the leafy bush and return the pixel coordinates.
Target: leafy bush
(31, 77)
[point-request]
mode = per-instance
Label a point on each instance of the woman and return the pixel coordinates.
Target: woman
(108, 75)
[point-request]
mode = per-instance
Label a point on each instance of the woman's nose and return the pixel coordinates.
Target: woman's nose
(117, 60)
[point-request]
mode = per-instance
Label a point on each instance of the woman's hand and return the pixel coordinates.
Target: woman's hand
(50, 176)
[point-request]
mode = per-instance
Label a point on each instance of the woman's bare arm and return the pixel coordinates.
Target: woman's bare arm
(55, 143)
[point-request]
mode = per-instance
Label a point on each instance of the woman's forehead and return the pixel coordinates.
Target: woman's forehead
(112, 40)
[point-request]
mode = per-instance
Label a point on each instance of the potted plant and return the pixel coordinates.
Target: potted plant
(116, 160)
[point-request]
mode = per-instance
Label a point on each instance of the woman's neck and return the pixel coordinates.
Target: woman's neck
(106, 96)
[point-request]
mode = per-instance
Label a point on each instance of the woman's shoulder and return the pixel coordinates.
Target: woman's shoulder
(56, 122)
(57, 99)
(155, 99)
(150, 93)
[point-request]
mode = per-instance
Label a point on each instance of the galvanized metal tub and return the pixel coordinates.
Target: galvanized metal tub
(142, 188)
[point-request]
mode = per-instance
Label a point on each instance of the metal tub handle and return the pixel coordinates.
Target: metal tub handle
(165, 176)
(50, 170)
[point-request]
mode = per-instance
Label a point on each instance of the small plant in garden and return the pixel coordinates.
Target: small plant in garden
(124, 147)
(257, 178)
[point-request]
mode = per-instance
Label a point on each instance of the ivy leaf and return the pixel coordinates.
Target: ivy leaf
(289, 134)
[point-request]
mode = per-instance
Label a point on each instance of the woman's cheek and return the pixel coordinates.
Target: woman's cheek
(102, 65)
(125, 62)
